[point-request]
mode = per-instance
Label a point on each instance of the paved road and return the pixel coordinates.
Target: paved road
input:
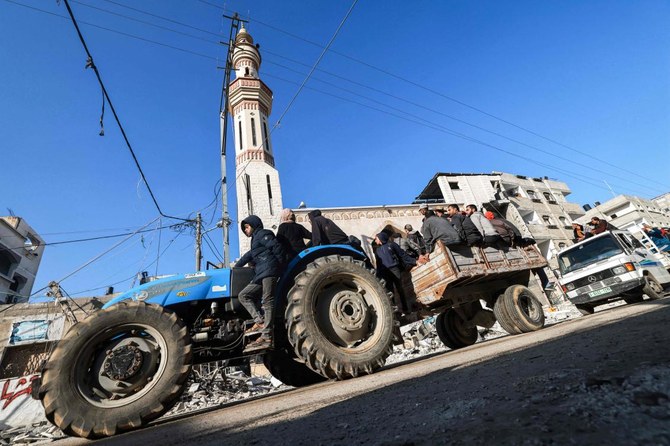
(600, 379)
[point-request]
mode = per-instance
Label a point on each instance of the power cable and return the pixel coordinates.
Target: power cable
(326, 72)
(446, 130)
(318, 60)
(92, 65)
(94, 259)
(212, 247)
(450, 98)
(135, 274)
(89, 239)
(547, 152)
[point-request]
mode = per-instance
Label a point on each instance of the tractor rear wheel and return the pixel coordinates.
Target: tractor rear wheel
(339, 318)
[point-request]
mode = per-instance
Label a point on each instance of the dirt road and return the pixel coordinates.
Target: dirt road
(601, 379)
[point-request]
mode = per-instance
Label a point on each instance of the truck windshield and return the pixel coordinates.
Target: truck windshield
(588, 252)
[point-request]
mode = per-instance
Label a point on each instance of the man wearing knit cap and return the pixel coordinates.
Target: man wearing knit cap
(291, 234)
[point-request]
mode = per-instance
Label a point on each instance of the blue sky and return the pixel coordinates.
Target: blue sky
(592, 76)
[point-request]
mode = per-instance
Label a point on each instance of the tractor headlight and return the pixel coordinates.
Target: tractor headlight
(570, 286)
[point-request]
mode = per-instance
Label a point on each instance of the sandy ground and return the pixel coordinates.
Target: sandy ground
(600, 379)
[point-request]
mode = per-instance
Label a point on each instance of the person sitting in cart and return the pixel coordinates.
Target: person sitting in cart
(435, 228)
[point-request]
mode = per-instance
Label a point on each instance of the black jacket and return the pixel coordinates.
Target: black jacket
(390, 255)
(466, 229)
(266, 253)
(325, 232)
(293, 235)
(417, 239)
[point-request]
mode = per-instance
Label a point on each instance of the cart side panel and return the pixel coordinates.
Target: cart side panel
(430, 280)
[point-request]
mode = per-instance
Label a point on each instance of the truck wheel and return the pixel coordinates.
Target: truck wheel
(339, 318)
(518, 310)
(453, 331)
(286, 368)
(652, 288)
(585, 309)
(634, 299)
(116, 370)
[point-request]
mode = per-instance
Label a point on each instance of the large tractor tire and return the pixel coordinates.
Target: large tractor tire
(284, 366)
(652, 288)
(518, 310)
(339, 318)
(453, 331)
(116, 370)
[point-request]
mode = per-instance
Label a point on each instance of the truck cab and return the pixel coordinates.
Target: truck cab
(611, 266)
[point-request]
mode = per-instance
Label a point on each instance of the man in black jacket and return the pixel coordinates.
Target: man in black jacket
(268, 256)
(464, 226)
(292, 234)
(324, 231)
(391, 260)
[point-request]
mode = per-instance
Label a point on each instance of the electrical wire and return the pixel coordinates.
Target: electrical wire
(91, 64)
(446, 130)
(212, 247)
(243, 169)
(318, 60)
(450, 98)
(89, 239)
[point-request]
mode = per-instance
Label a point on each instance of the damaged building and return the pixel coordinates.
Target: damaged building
(21, 251)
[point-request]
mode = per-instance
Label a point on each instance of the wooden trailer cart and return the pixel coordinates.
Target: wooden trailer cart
(456, 280)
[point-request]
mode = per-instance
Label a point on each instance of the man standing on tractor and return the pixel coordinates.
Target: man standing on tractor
(268, 257)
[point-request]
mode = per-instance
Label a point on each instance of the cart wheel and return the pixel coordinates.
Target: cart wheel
(453, 331)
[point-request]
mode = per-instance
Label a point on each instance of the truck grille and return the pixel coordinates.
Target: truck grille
(597, 285)
(596, 277)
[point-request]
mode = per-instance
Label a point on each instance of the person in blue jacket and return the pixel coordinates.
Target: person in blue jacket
(268, 257)
(391, 261)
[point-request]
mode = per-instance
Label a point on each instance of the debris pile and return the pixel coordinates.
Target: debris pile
(33, 433)
(215, 384)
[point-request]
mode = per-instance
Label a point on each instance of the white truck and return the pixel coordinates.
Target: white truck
(611, 266)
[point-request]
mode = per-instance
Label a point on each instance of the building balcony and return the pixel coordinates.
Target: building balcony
(573, 209)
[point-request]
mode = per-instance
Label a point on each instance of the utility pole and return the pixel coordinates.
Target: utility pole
(223, 115)
(198, 241)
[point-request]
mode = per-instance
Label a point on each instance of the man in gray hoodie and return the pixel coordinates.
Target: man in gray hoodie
(484, 226)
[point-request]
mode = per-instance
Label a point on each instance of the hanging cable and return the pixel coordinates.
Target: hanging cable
(91, 64)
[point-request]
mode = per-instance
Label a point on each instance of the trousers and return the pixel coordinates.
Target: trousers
(256, 296)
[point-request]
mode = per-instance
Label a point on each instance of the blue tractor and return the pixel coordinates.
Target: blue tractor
(127, 364)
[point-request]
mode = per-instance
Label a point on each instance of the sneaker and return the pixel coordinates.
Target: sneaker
(259, 344)
(256, 328)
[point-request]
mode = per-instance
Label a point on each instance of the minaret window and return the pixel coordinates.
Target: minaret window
(267, 177)
(246, 71)
(239, 126)
(265, 137)
(247, 186)
(253, 132)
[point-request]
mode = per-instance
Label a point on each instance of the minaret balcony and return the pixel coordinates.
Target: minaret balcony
(255, 155)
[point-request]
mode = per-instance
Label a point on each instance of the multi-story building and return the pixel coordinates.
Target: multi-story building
(20, 255)
(537, 206)
(663, 201)
(626, 211)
